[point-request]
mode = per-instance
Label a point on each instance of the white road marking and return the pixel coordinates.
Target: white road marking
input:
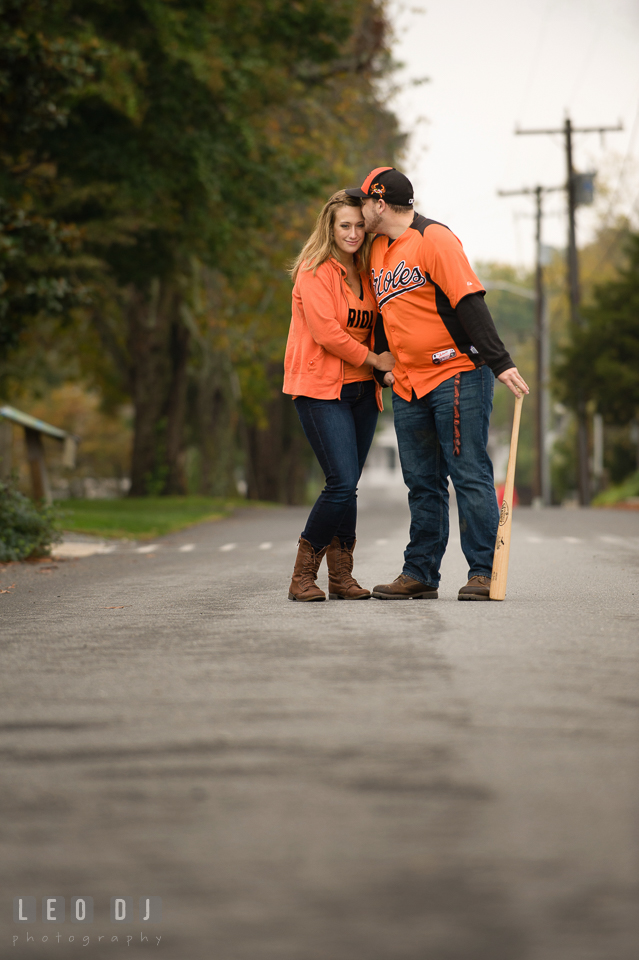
(70, 549)
(631, 543)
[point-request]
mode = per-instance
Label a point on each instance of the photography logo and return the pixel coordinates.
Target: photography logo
(122, 910)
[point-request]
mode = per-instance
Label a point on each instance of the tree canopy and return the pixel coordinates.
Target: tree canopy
(40, 74)
(601, 360)
(161, 163)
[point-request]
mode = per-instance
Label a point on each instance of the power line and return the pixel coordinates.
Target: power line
(541, 481)
(571, 187)
(608, 250)
(624, 162)
(536, 56)
(596, 39)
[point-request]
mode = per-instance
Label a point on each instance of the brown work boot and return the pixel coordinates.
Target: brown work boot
(303, 586)
(404, 588)
(477, 588)
(341, 583)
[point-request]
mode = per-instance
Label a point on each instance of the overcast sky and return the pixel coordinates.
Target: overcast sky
(496, 64)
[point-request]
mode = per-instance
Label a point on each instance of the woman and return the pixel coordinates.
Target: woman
(328, 369)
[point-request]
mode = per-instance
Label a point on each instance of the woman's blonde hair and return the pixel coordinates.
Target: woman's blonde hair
(320, 246)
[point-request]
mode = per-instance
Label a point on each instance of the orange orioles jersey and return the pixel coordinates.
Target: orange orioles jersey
(419, 279)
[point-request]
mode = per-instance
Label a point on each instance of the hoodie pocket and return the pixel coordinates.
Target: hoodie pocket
(315, 362)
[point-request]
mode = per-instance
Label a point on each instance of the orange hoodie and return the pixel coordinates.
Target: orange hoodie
(318, 341)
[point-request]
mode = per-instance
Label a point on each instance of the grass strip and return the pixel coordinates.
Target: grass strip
(624, 491)
(144, 518)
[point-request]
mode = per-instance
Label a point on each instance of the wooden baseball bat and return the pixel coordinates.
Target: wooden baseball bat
(502, 543)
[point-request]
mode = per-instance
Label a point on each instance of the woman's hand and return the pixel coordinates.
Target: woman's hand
(381, 361)
(389, 379)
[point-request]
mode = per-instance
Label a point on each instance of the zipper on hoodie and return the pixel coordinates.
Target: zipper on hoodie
(341, 279)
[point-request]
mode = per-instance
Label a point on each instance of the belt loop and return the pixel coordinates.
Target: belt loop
(456, 417)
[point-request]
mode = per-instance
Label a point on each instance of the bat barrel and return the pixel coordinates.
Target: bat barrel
(502, 543)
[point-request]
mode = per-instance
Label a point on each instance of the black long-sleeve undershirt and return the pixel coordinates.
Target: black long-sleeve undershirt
(476, 319)
(381, 346)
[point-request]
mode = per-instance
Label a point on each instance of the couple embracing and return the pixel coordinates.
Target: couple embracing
(385, 296)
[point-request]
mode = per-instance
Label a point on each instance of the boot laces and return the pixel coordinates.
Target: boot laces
(308, 574)
(344, 568)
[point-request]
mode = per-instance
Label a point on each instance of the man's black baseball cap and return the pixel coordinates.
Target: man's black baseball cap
(385, 183)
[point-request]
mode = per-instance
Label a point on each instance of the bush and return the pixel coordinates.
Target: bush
(626, 490)
(26, 530)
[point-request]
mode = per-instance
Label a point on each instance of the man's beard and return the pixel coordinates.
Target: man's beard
(372, 221)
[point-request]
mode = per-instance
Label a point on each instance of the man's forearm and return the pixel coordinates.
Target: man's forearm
(476, 320)
(381, 346)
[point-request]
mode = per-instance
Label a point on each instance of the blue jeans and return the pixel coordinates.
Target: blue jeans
(425, 437)
(340, 433)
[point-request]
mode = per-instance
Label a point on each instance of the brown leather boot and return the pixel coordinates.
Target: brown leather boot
(405, 588)
(341, 583)
(477, 588)
(303, 586)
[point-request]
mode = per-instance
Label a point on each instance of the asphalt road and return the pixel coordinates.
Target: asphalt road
(420, 780)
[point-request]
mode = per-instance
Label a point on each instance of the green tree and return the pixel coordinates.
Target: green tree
(601, 359)
(171, 150)
(40, 76)
(204, 119)
(186, 158)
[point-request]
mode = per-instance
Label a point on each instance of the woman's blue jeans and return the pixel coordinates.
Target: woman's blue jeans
(340, 433)
(424, 430)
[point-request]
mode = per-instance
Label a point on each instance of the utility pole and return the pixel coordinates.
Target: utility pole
(541, 479)
(572, 184)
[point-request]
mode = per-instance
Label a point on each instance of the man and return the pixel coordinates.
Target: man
(448, 353)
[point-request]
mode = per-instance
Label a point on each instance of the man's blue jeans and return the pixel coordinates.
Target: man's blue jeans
(340, 433)
(425, 436)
